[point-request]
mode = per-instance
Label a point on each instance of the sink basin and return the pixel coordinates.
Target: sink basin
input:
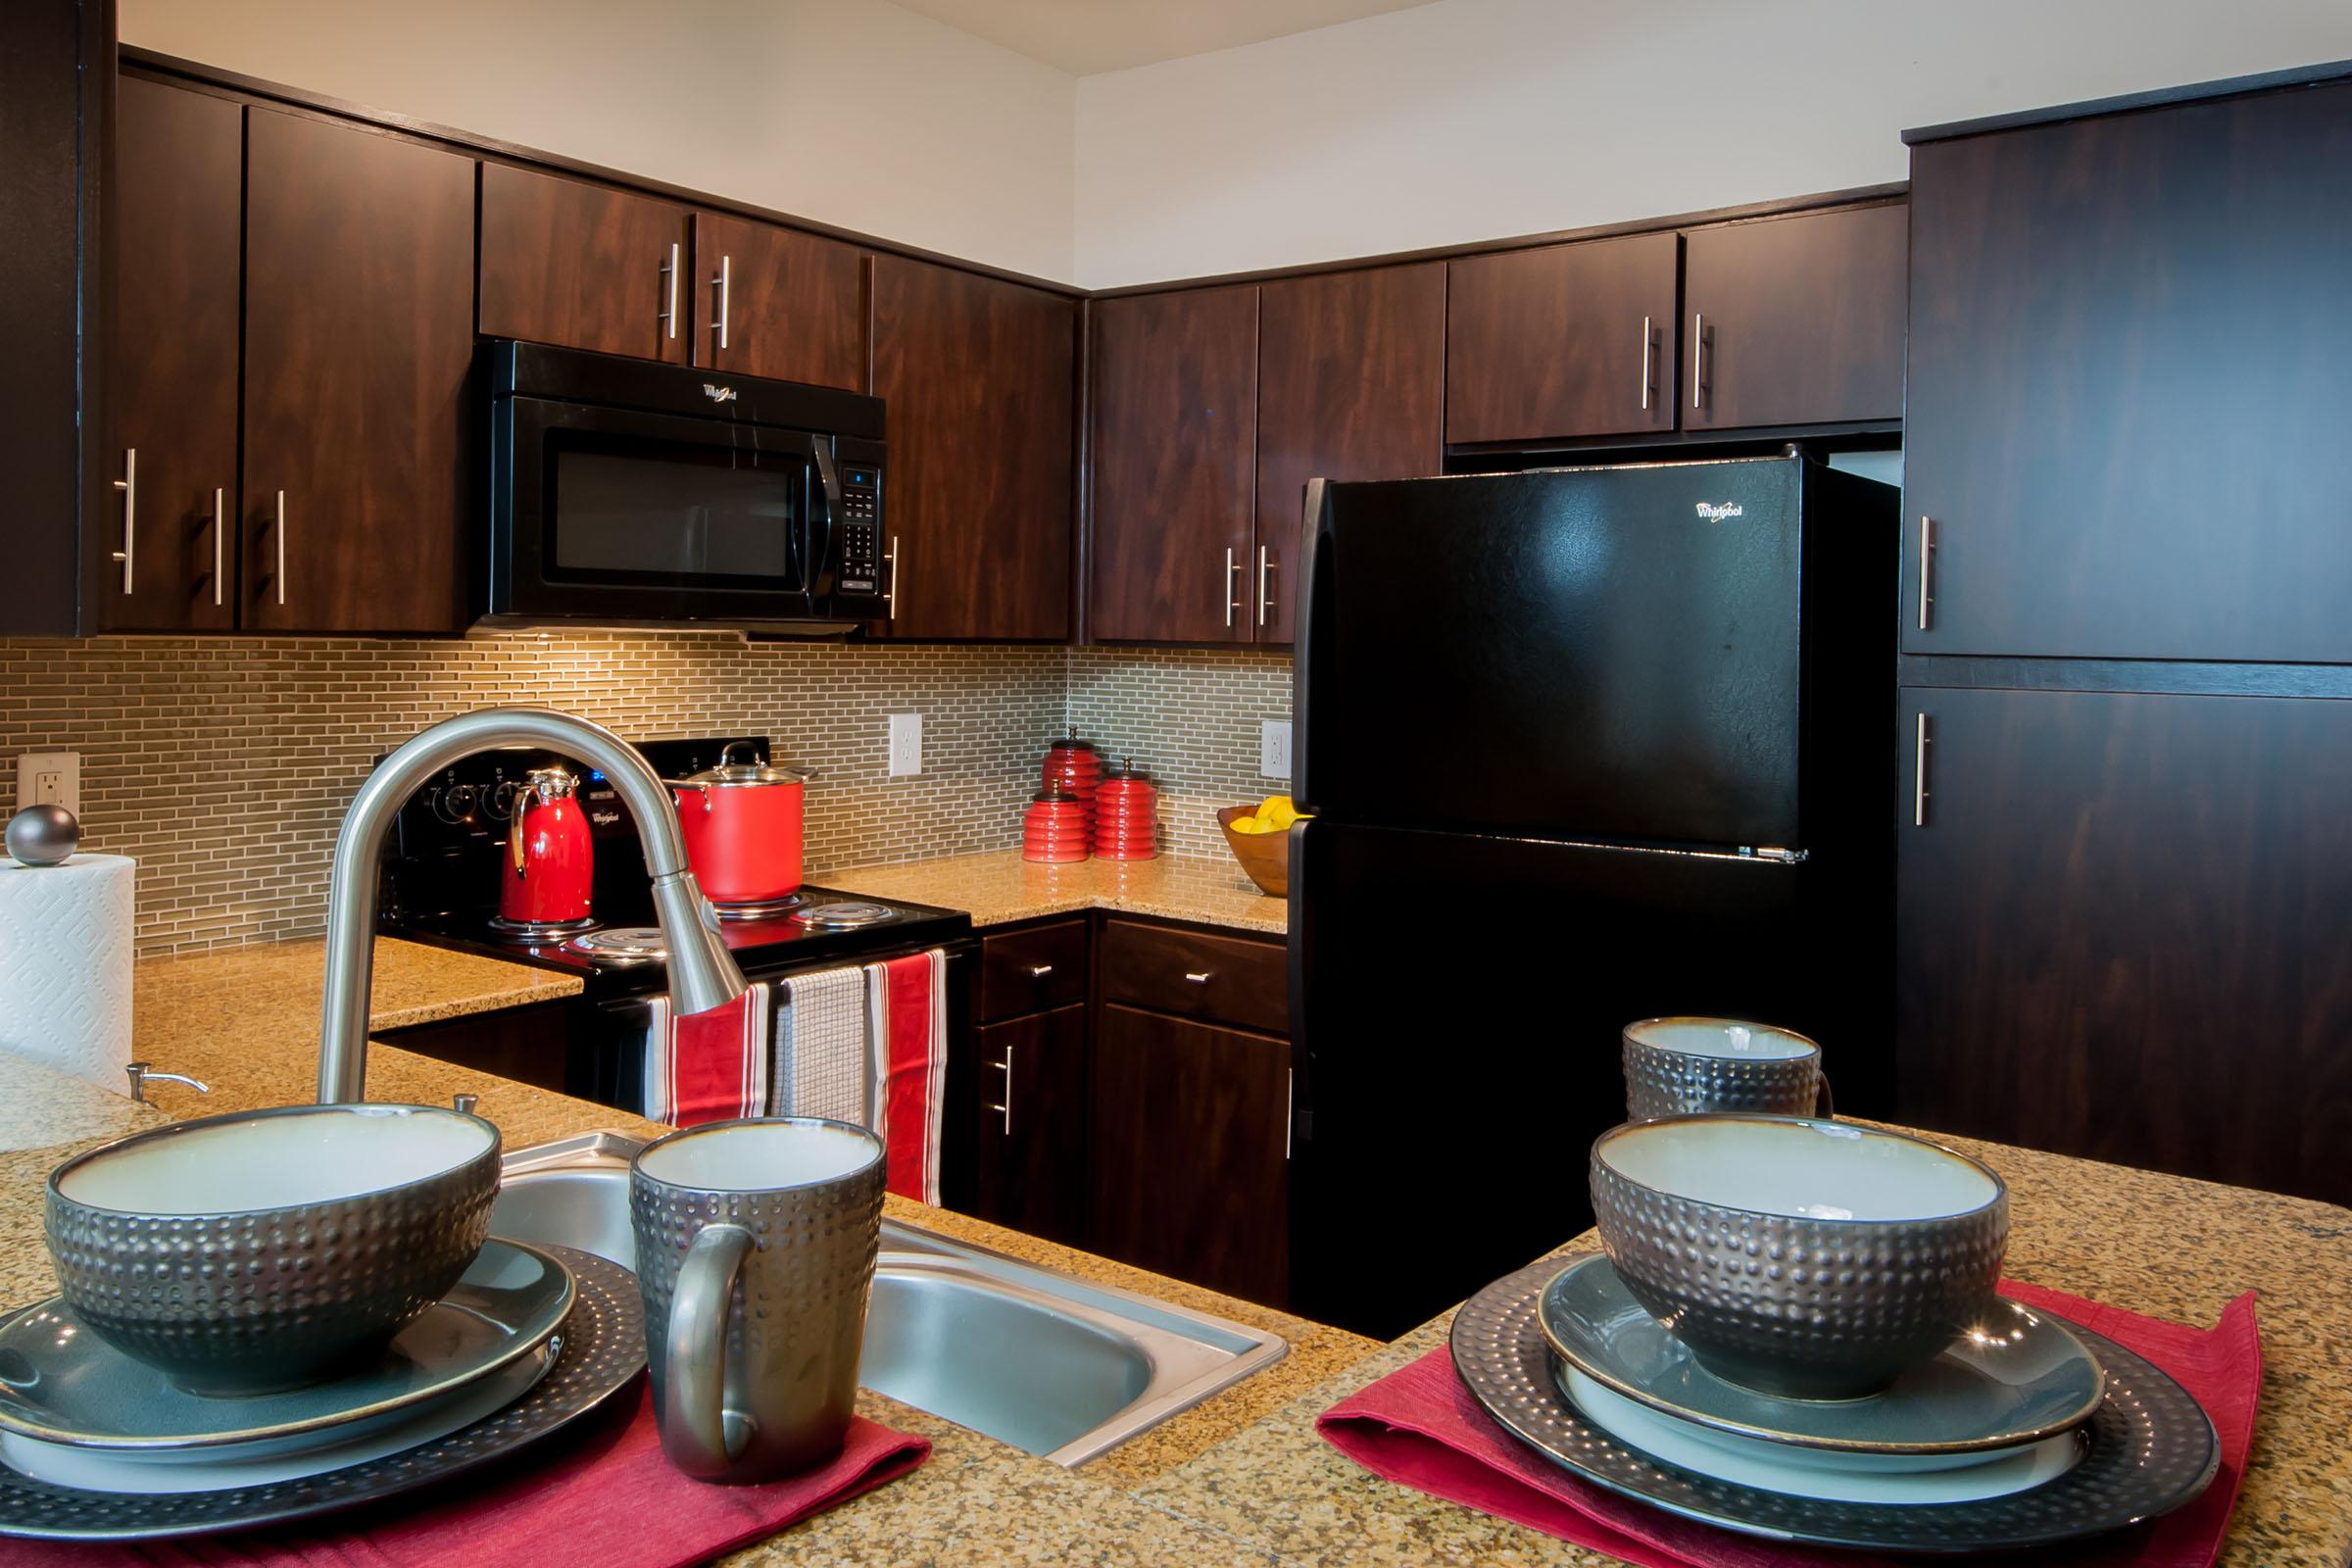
(1031, 1356)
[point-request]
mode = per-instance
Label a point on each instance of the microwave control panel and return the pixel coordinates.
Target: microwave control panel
(860, 529)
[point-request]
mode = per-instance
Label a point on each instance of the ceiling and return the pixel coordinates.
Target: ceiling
(1084, 36)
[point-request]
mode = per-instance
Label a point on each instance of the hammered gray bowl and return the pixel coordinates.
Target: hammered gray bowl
(1803, 1258)
(227, 1295)
(1689, 1066)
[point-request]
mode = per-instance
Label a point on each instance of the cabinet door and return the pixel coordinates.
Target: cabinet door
(1191, 1151)
(979, 377)
(1565, 341)
(1795, 320)
(171, 404)
(1175, 427)
(2125, 930)
(1350, 385)
(774, 302)
(568, 263)
(358, 332)
(2128, 388)
(1033, 1115)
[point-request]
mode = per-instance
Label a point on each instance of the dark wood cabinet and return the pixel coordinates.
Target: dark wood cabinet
(1350, 385)
(774, 302)
(2125, 929)
(1562, 342)
(980, 378)
(1795, 321)
(1174, 466)
(1191, 1157)
(1033, 1124)
(359, 336)
(168, 552)
(1227, 979)
(2130, 377)
(569, 263)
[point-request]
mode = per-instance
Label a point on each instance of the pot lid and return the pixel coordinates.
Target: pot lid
(731, 774)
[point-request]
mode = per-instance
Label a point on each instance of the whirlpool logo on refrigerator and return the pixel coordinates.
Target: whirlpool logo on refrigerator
(1715, 513)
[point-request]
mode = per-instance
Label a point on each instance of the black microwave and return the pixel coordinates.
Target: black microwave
(624, 493)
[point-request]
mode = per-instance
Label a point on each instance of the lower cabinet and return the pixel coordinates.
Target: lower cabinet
(1032, 1124)
(1191, 1174)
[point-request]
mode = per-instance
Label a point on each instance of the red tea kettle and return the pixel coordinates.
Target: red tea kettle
(742, 823)
(550, 859)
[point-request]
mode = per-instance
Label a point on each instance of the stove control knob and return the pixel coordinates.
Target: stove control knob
(458, 802)
(502, 798)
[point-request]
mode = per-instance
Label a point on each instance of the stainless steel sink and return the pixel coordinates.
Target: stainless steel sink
(1037, 1358)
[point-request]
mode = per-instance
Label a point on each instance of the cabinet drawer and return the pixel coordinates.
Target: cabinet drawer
(1229, 979)
(1032, 970)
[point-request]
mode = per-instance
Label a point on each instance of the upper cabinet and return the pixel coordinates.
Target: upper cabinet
(569, 263)
(1175, 463)
(359, 336)
(777, 302)
(1795, 321)
(2128, 386)
(1562, 342)
(979, 380)
(170, 553)
(1350, 385)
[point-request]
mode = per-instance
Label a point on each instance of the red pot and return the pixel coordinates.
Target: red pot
(743, 824)
(550, 859)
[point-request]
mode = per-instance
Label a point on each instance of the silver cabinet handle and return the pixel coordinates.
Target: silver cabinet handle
(1005, 1108)
(1038, 972)
(1699, 348)
(281, 546)
(670, 281)
(219, 538)
(1926, 555)
(1266, 567)
(128, 484)
(1290, 1106)
(1919, 773)
(890, 600)
(1199, 977)
(727, 273)
(1232, 601)
(1647, 339)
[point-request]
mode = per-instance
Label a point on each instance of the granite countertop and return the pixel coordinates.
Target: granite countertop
(998, 886)
(1243, 1478)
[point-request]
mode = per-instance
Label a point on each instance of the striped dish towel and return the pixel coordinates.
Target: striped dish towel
(707, 1066)
(821, 1048)
(906, 1004)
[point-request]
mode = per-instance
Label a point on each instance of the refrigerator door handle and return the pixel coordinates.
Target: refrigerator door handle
(1314, 571)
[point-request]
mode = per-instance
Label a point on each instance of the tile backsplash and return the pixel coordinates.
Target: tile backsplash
(223, 764)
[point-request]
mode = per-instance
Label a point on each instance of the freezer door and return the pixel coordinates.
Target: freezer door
(1456, 1003)
(1597, 654)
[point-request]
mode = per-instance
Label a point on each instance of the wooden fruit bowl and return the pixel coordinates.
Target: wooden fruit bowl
(1266, 856)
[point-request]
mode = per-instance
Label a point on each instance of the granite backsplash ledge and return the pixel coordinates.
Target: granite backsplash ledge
(223, 764)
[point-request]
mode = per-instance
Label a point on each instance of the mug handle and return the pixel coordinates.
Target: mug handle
(694, 1420)
(1823, 1105)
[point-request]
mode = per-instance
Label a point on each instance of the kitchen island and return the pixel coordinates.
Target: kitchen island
(1243, 1478)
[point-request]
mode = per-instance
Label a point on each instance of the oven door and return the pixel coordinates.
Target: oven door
(619, 516)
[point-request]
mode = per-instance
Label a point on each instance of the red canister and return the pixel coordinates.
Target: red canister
(550, 859)
(1126, 815)
(1052, 829)
(1073, 765)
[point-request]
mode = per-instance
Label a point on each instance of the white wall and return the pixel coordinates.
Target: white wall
(1472, 120)
(850, 112)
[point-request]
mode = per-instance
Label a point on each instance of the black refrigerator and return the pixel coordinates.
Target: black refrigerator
(1582, 746)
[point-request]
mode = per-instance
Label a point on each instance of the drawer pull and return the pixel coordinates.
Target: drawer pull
(1005, 1108)
(1197, 977)
(1038, 972)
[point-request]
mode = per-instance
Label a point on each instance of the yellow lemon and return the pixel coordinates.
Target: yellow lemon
(1276, 812)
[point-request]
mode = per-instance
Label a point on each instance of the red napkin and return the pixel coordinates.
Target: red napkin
(608, 1499)
(914, 1058)
(1420, 1427)
(712, 1065)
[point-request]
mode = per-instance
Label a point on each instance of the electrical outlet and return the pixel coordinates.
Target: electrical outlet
(906, 744)
(1274, 748)
(49, 778)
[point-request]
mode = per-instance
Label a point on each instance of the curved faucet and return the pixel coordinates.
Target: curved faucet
(701, 973)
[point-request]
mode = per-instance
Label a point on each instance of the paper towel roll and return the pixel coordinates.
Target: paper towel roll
(65, 964)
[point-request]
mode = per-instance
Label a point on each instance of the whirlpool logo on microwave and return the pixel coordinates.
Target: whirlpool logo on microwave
(1715, 513)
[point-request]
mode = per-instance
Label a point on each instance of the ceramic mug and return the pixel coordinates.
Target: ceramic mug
(756, 1244)
(1692, 1066)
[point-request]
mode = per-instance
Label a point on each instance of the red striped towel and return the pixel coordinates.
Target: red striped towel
(907, 1004)
(707, 1066)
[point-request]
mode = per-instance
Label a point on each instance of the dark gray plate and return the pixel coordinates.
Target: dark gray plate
(2026, 1378)
(60, 1383)
(2151, 1450)
(604, 1349)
